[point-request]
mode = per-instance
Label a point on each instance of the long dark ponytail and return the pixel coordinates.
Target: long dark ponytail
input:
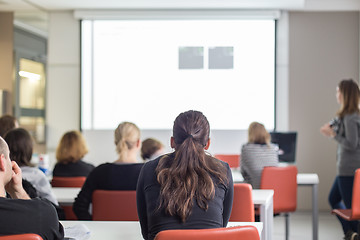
(191, 172)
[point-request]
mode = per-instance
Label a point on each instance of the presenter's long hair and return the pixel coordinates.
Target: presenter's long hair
(351, 94)
(126, 136)
(191, 173)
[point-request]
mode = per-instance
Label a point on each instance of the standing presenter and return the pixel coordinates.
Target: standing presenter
(345, 129)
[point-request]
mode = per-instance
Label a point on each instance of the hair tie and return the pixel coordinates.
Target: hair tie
(189, 135)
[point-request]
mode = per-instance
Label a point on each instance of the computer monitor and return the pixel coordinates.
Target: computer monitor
(287, 145)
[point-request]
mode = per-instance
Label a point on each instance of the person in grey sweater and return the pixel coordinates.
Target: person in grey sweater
(257, 154)
(345, 129)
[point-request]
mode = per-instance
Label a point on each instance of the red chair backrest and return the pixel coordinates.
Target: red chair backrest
(114, 206)
(232, 159)
(355, 204)
(25, 236)
(243, 205)
(231, 233)
(68, 181)
(283, 181)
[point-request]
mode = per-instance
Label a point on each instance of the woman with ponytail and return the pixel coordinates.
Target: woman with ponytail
(187, 189)
(119, 175)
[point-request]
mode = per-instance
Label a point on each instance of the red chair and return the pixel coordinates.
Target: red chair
(231, 233)
(243, 205)
(114, 206)
(72, 182)
(26, 236)
(76, 182)
(232, 159)
(283, 181)
(353, 213)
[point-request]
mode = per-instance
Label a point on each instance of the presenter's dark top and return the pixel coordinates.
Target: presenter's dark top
(73, 169)
(107, 176)
(153, 221)
(38, 216)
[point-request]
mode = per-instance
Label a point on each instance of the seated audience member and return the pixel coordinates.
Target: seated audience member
(7, 122)
(20, 214)
(151, 149)
(21, 149)
(119, 175)
(257, 154)
(186, 189)
(69, 153)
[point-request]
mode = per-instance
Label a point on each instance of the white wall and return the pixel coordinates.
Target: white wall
(63, 82)
(324, 49)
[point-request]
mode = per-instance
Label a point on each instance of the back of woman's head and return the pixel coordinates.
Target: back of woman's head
(20, 146)
(127, 135)
(149, 147)
(257, 134)
(350, 94)
(72, 147)
(191, 125)
(191, 173)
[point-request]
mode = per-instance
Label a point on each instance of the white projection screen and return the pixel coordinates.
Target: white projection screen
(149, 71)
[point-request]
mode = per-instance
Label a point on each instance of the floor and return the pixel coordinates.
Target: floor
(301, 227)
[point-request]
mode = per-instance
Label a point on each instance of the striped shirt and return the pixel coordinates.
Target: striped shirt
(254, 157)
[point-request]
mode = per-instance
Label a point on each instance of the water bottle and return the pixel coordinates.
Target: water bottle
(44, 163)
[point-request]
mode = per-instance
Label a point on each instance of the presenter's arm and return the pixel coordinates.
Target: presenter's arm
(228, 199)
(141, 204)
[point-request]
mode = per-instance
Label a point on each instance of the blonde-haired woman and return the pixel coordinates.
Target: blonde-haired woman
(257, 154)
(69, 153)
(119, 175)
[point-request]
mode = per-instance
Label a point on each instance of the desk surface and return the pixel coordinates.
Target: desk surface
(127, 230)
(262, 196)
(68, 195)
(302, 178)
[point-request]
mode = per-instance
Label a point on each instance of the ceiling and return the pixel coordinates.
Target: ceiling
(34, 13)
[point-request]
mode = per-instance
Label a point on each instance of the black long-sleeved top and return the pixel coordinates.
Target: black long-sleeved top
(73, 169)
(29, 216)
(152, 221)
(108, 176)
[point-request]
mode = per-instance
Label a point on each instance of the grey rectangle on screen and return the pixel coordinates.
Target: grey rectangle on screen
(191, 57)
(221, 57)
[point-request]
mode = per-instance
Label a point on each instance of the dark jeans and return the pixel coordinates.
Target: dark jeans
(340, 198)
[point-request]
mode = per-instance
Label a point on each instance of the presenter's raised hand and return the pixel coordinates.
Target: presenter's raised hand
(327, 131)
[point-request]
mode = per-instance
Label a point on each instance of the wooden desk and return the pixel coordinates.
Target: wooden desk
(116, 230)
(303, 179)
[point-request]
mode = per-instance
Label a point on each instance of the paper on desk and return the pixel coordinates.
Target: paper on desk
(77, 232)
